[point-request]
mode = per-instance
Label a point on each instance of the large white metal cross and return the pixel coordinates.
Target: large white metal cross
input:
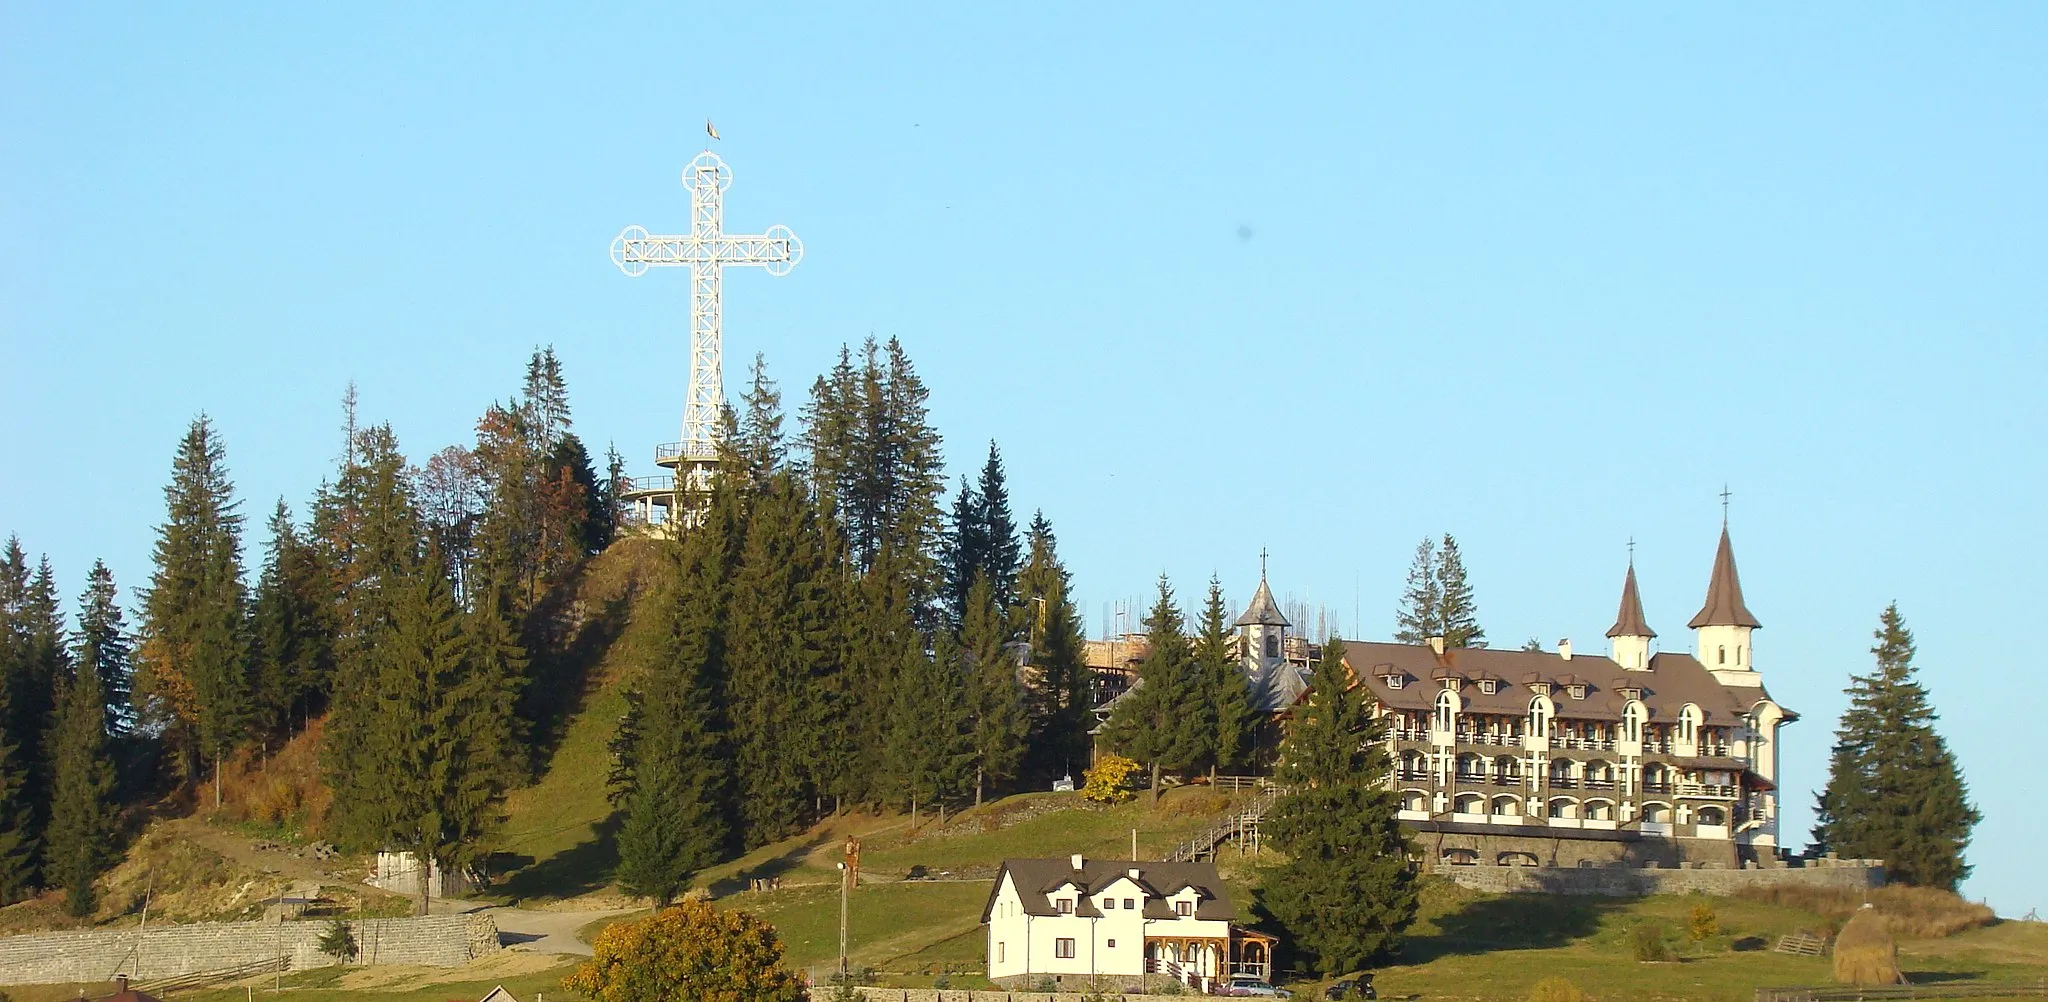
(707, 251)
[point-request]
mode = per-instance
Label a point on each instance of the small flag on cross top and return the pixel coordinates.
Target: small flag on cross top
(708, 128)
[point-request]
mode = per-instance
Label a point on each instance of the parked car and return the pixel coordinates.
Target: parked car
(1356, 988)
(1253, 987)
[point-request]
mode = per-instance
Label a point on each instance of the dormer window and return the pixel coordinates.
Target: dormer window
(1576, 691)
(1487, 686)
(1183, 908)
(1630, 693)
(1394, 681)
(1065, 906)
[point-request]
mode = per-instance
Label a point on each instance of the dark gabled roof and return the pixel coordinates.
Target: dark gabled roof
(1280, 688)
(1629, 622)
(1672, 681)
(1036, 878)
(1724, 593)
(1263, 611)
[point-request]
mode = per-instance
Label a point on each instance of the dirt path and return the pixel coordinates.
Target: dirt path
(543, 931)
(299, 870)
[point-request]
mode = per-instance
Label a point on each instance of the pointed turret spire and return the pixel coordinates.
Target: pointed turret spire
(1629, 622)
(1263, 611)
(1724, 593)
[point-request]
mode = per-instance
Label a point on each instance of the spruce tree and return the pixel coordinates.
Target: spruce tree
(18, 842)
(1158, 722)
(1457, 613)
(102, 646)
(192, 665)
(1226, 692)
(1347, 893)
(18, 828)
(928, 751)
(673, 784)
(290, 642)
(760, 443)
(1061, 698)
(82, 808)
(966, 551)
(586, 510)
(1003, 554)
(1000, 725)
(423, 780)
(1419, 617)
(1894, 790)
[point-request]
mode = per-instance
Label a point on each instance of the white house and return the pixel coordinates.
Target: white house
(1081, 921)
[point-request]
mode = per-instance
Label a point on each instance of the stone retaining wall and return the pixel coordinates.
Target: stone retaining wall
(1618, 881)
(962, 995)
(166, 951)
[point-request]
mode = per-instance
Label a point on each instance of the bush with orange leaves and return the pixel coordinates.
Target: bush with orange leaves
(690, 951)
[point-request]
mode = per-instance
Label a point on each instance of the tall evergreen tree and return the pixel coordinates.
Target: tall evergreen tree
(875, 462)
(1418, 618)
(1458, 615)
(82, 808)
(420, 777)
(291, 644)
(102, 646)
(1000, 725)
(1347, 893)
(928, 747)
(19, 830)
(584, 513)
(1003, 558)
(1061, 697)
(966, 551)
(1894, 790)
(192, 666)
(1157, 722)
(1225, 690)
(781, 644)
(760, 443)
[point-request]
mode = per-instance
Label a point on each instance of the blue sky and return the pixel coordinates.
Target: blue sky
(1321, 281)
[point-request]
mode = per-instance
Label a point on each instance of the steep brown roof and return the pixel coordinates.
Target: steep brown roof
(1263, 611)
(1672, 681)
(1724, 593)
(1629, 621)
(1036, 878)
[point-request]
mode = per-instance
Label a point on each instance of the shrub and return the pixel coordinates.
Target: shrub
(1647, 943)
(1704, 924)
(1555, 989)
(1108, 781)
(944, 980)
(1171, 987)
(339, 941)
(1046, 985)
(1907, 912)
(690, 951)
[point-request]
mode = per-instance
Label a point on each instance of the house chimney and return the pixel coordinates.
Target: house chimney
(120, 984)
(1437, 644)
(1077, 860)
(1134, 873)
(1564, 648)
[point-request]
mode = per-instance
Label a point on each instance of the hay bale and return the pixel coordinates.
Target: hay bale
(1865, 953)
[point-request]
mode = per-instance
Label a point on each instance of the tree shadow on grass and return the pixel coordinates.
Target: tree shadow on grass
(1512, 922)
(771, 868)
(1942, 977)
(580, 869)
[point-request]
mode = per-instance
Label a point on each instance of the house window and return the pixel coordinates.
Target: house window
(1063, 949)
(1112, 944)
(1108, 904)
(1272, 646)
(1393, 681)
(1486, 686)
(1446, 710)
(1066, 906)
(1721, 655)
(1127, 903)
(1577, 691)
(1183, 908)
(1000, 952)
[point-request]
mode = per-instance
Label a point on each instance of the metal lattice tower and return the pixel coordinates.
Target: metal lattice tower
(707, 250)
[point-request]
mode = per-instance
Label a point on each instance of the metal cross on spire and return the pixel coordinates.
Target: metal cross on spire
(1725, 495)
(707, 250)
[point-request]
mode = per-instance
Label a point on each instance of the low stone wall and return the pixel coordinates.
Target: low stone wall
(962, 995)
(167, 951)
(1618, 881)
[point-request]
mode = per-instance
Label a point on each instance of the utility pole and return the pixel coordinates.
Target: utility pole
(849, 875)
(217, 763)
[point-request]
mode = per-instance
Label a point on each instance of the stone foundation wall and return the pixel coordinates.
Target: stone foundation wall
(1567, 851)
(165, 951)
(1623, 881)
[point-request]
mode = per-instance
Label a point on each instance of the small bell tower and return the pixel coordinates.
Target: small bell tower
(1629, 638)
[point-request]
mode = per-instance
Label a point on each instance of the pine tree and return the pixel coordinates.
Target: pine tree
(1421, 601)
(760, 442)
(422, 779)
(1000, 724)
(780, 644)
(1347, 893)
(1458, 614)
(82, 808)
(1061, 694)
(1226, 692)
(928, 750)
(1894, 790)
(966, 551)
(102, 646)
(192, 666)
(1155, 722)
(673, 780)
(291, 644)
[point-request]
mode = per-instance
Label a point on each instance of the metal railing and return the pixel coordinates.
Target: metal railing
(1939, 990)
(659, 483)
